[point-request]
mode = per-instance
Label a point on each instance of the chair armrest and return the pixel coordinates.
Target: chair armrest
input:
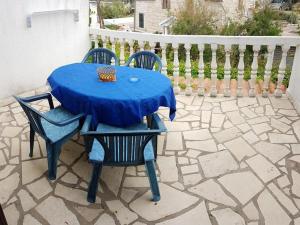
(86, 125)
(157, 123)
(65, 122)
(39, 97)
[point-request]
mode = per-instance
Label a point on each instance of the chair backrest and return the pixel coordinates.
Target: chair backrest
(145, 60)
(33, 116)
(126, 149)
(101, 56)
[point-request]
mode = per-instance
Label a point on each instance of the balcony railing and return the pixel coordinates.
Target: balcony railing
(270, 49)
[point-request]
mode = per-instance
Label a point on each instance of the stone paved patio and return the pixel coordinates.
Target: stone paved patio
(224, 161)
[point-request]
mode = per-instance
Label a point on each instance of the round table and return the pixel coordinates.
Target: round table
(135, 94)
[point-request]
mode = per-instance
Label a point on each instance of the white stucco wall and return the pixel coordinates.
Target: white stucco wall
(28, 55)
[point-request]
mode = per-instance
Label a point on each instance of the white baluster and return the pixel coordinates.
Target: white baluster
(113, 48)
(214, 66)
(227, 71)
(201, 70)
(164, 58)
(131, 44)
(122, 52)
(268, 70)
(95, 39)
(281, 71)
(176, 69)
(188, 71)
(142, 45)
(241, 69)
(152, 46)
(254, 68)
(105, 42)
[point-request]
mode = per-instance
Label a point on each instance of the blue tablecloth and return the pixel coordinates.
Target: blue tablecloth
(121, 103)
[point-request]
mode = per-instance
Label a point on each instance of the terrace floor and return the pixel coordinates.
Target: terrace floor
(224, 161)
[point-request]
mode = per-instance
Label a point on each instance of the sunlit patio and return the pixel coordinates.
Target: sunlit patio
(225, 161)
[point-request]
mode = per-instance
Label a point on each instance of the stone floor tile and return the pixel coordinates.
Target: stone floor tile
(8, 186)
(40, 188)
(174, 141)
(249, 113)
(263, 168)
(105, 219)
(71, 194)
(189, 169)
(250, 137)
(193, 153)
(6, 171)
(123, 214)
(83, 169)
(192, 179)
(197, 215)
(283, 181)
(261, 128)
(173, 201)
(196, 135)
(112, 177)
(296, 183)
(70, 152)
(213, 192)
(27, 201)
(205, 116)
(271, 210)
(277, 124)
(258, 120)
(296, 127)
(269, 111)
(282, 138)
(128, 194)
(11, 131)
(235, 117)
(218, 163)
(2, 159)
(59, 214)
(273, 152)
(12, 214)
(217, 120)
(235, 184)
(89, 214)
(244, 127)
(189, 118)
(30, 220)
(176, 126)
(25, 149)
(281, 103)
(228, 106)
(33, 169)
(228, 216)
(168, 168)
(283, 199)
(130, 182)
(240, 148)
(70, 178)
(227, 134)
(251, 211)
(288, 112)
(295, 148)
(5, 117)
(15, 148)
(206, 146)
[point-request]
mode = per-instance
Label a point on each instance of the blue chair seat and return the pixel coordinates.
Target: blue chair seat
(97, 152)
(55, 133)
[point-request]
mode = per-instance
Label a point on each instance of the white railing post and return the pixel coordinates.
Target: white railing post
(241, 69)
(164, 58)
(152, 46)
(254, 68)
(214, 66)
(188, 71)
(293, 89)
(122, 51)
(201, 91)
(176, 69)
(131, 50)
(113, 48)
(227, 71)
(95, 39)
(268, 70)
(281, 71)
(104, 41)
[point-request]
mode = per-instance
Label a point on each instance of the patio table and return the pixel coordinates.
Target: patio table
(135, 94)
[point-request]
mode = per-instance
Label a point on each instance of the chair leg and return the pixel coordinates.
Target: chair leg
(93, 185)
(153, 180)
(32, 132)
(53, 151)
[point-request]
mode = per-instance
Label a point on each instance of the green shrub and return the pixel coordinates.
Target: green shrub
(115, 10)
